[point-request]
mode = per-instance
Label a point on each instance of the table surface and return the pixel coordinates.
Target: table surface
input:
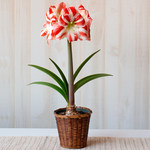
(47, 139)
(92, 132)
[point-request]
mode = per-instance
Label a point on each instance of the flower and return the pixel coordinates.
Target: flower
(69, 23)
(51, 18)
(87, 18)
(66, 22)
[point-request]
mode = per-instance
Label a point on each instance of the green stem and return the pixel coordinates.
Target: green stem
(70, 74)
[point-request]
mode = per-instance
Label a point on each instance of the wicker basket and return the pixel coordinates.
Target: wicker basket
(73, 130)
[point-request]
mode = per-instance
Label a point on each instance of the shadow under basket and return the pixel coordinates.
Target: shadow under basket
(73, 130)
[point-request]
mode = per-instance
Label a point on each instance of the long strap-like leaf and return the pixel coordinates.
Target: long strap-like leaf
(83, 63)
(51, 74)
(58, 89)
(87, 79)
(61, 73)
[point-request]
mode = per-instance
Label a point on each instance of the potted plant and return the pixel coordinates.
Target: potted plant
(68, 22)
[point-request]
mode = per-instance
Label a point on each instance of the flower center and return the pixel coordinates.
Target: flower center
(70, 25)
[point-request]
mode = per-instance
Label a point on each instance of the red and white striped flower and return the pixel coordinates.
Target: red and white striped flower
(51, 18)
(87, 18)
(54, 12)
(67, 22)
(47, 31)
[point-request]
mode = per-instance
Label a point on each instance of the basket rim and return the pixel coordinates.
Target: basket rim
(73, 116)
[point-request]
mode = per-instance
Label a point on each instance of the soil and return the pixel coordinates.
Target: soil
(78, 112)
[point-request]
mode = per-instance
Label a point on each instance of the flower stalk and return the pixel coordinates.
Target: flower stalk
(70, 75)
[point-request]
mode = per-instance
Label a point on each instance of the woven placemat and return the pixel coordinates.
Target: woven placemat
(94, 143)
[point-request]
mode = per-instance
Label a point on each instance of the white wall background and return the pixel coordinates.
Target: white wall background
(121, 28)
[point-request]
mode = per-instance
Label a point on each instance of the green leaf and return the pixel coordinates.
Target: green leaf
(87, 79)
(61, 73)
(58, 89)
(51, 74)
(83, 63)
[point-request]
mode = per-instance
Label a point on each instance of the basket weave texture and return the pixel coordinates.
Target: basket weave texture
(73, 130)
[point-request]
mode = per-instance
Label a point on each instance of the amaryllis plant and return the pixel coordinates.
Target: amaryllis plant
(73, 24)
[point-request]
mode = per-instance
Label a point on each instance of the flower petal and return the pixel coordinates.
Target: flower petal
(59, 31)
(83, 33)
(72, 36)
(64, 19)
(85, 15)
(59, 7)
(87, 18)
(72, 11)
(51, 9)
(64, 11)
(79, 21)
(43, 32)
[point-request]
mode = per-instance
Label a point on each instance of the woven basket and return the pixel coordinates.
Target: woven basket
(73, 130)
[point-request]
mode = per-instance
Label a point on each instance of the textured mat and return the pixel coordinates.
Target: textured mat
(94, 143)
